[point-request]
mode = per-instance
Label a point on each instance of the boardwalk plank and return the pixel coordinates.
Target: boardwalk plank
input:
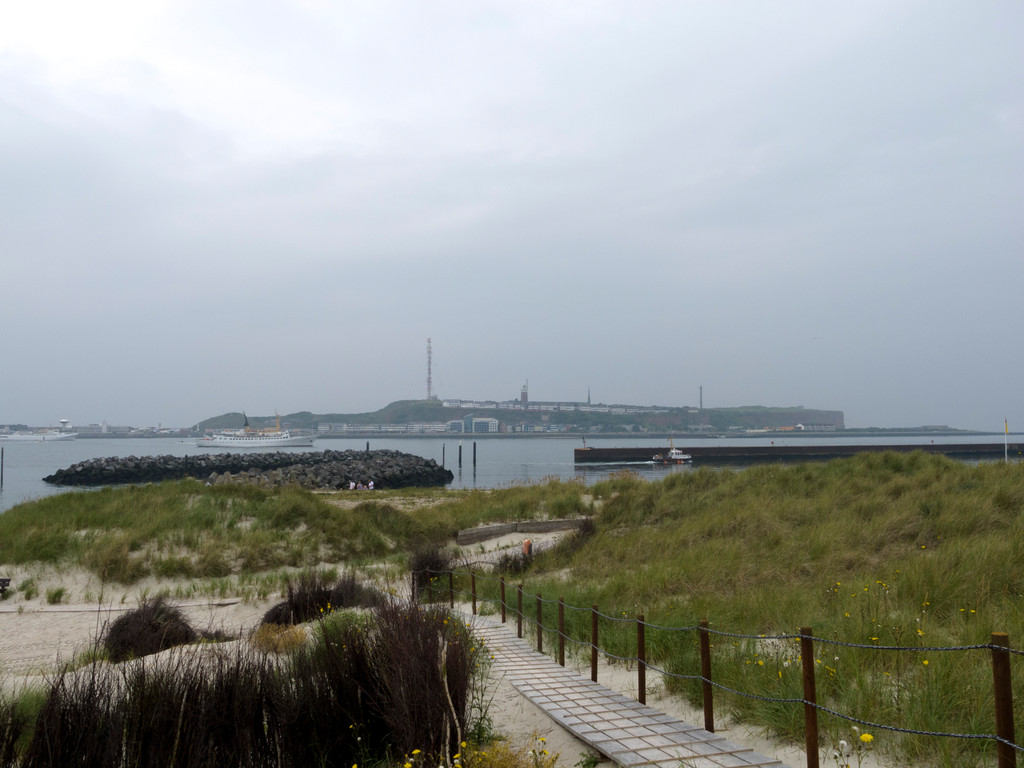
(627, 732)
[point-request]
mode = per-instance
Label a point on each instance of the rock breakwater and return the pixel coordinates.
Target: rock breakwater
(315, 470)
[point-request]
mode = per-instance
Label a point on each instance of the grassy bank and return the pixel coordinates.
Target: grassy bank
(911, 551)
(914, 551)
(187, 529)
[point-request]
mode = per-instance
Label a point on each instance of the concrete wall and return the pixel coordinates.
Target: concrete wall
(483, 533)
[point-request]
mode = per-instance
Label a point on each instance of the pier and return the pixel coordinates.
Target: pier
(748, 454)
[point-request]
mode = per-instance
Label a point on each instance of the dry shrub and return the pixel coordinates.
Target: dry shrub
(427, 660)
(152, 627)
(349, 592)
(513, 563)
(278, 638)
(14, 726)
(313, 596)
(78, 707)
(501, 754)
(575, 541)
(362, 693)
(426, 562)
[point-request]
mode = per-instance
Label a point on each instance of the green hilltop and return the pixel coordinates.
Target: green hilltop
(649, 419)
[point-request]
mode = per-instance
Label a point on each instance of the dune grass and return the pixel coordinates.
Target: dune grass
(909, 550)
(187, 529)
(878, 550)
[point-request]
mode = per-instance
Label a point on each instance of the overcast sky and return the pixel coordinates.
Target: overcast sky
(223, 206)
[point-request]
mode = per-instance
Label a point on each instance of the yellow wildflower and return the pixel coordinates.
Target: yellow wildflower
(867, 738)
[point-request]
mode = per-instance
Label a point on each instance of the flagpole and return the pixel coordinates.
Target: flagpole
(1006, 442)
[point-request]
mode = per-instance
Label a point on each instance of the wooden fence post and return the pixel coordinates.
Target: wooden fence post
(561, 631)
(519, 611)
(810, 697)
(1003, 699)
(540, 626)
(472, 588)
(593, 643)
(502, 580)
(705, 674)
(641, 660)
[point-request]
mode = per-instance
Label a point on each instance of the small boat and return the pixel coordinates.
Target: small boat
(247, 437)
(674, 456)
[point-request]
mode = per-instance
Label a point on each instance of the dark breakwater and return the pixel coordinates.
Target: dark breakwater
(314, 470)
(743, 454)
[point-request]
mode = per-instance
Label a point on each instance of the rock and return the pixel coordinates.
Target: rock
(313, 470)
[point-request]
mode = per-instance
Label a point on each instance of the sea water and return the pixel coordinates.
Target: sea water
(499, 460)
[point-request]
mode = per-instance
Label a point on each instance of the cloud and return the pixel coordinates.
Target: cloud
(277, 203)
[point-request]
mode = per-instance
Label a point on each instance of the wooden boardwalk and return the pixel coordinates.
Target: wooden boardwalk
(621, 729)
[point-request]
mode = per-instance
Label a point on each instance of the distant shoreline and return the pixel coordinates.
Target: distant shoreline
(804, 435)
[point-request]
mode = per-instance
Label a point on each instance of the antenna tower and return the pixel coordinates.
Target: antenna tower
(430, 392)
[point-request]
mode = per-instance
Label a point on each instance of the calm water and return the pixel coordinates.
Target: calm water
(500, 461)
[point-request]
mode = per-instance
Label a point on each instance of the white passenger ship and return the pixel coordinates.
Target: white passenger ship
(41, 435)
(247, 437)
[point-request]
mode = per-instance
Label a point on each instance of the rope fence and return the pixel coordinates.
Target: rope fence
(999, 648)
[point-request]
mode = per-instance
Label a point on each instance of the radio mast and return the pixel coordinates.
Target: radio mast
(430, 392)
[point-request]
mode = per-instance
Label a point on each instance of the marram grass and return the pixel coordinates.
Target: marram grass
(899, 550)
(909, 550)
(186, 529)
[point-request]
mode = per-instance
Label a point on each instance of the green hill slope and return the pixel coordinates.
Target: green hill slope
(665, 420)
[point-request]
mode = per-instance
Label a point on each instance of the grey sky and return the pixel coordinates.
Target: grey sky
(208, 207)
